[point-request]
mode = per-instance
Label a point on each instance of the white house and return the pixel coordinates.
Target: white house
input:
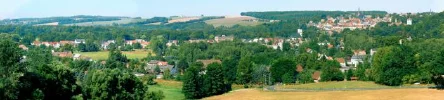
(409, 21)
(78, 41)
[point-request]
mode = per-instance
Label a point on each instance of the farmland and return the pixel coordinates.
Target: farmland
(229, 21)
(103, 55)
(107, 23)
(385, 94)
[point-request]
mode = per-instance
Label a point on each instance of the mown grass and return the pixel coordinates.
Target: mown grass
(103, 55)
(171, 89)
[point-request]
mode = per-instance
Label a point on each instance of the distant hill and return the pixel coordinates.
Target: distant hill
(59, 20)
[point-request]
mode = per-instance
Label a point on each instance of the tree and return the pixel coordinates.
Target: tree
(214, 80)
(137, 45)
(10, 68)
(112, 84)
(116, 59)
(283, 66)
(305, 77)
(158, 45)
(331, 72)
(349, 74)
(167, 74)
(157, 70)
(55, 82)
(182, 65)
(229, 67)
(192, 83)
(391, 64)
(244, 70)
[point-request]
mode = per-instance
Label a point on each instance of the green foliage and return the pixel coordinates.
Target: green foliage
(112, 84)
(391, 64)
(213, 83)
(349, 74)
(283, 67)
(305, 77)
(244, 70)
(331, 72)
(192, 81)
(116, 59)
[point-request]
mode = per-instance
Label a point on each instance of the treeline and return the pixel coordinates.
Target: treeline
(39, 75)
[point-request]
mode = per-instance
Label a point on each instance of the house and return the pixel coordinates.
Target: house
(316, 76)
(299, 68)
(80, 57)
(36, 43)
(163, 66)
(171, 43)
(105, 45)
(78, 41)
(207, 62)
(23, 47)
(223, 38)
(63, 54)
(409, 21)
(359, 52)
(341, 62)
(356, 59)
(66, 43)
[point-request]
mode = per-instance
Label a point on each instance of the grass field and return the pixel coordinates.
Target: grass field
(103, 55)
(230, 21)
(171, 89)
(385, 94)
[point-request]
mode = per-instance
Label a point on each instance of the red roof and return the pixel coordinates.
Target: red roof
(340, 60)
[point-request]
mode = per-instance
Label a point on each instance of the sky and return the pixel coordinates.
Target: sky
(151, 8)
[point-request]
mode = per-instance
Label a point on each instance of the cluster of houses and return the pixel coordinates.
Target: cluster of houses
(104, 45)
(340, 23)
(143, 43)
(331, 24)
(58, 44)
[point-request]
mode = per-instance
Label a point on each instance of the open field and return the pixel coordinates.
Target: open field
(107, 23)
(385, 94)
(342, 85)
(183, 19)
(229, 21)
(171, 89)
(103, 55)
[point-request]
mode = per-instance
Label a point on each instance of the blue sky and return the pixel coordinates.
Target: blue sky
(150, 8)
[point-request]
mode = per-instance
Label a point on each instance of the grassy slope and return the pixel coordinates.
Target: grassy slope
(171, 89)
(103, 55)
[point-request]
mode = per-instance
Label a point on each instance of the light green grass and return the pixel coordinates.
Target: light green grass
(103, 55)
(172, 90)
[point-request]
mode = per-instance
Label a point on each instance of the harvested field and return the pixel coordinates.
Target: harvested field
(385, 94)
(229, 21)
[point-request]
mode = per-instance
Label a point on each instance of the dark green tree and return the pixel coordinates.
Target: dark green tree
(214, 80)
(244, 69)
(331, 72)
(283, 66)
